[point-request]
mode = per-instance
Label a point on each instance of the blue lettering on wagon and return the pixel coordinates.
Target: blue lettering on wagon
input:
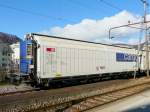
(126, 57)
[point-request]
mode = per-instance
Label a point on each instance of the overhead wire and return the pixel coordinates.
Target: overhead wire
(87, 6)
(34, 13)
(111, 5)
(83, 5)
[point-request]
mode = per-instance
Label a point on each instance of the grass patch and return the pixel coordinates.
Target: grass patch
(4, 83)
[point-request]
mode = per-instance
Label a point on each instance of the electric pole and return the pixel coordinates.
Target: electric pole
(146, 37)
(144, 22)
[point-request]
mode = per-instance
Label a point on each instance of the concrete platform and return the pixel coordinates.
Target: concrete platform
(136, 103)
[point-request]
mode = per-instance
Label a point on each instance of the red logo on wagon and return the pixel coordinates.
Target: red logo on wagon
(50, 49)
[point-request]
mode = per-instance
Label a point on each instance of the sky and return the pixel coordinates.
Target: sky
(79, 19)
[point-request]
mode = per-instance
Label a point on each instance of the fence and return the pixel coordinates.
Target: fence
(8, 72)
(14, 69)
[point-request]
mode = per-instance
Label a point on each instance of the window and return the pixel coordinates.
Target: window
(8, 54)
(29, 50)
(4, 64)
(5, 51)
(3, 59)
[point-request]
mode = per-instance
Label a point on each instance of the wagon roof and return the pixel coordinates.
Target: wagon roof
(114, 45)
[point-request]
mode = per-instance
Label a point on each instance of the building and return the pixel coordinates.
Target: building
(5, 55)
(16, 52)
(9, 49)
(5, 60)
(9, 54)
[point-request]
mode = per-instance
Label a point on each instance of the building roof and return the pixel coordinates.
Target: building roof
(9, 38)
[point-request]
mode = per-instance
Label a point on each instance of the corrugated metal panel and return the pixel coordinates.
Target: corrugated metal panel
(73, 58)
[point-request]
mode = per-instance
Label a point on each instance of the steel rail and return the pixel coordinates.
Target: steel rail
(17, 92)
(83, 104)
(99, 100)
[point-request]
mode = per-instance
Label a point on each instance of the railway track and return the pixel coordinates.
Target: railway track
(99, 100)
(91, 102)
(73, 99)
(11, 90)
(17, 92)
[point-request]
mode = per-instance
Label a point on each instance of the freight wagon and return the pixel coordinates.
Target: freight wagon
(45, 59)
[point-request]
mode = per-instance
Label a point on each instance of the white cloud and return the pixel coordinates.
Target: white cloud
(96, 30)
(133, 41)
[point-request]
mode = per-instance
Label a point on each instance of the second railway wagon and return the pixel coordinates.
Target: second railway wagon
(49, 58)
